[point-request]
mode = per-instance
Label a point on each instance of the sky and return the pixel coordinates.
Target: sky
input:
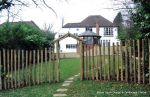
(72, 11)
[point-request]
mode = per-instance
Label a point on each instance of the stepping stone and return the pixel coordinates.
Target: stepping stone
(66, 84)
(59, 95)
(76, 75)
(68, 81)
(62, 90)
(71, 78)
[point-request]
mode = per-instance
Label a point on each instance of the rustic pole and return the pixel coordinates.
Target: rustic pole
(89, 51)
(30, 68)
(38, 64)
(109, 62)
(93, 62)
(96, 55)
(11, 64)
(139, 63)
(34, 68)
(100, 62)
(86, 51)
(8, 73)
(117, 61)
(134, 55)
(113, 61)
(50, 71)
(27, 74)
(121, 61)
(23, 75)
(18, 68)
(58, 60)
(41, 73)
(82, 60)
(130, 60)
(15, 63)
(104, 61)
(46, 65)
(126, 61)
(143, 61)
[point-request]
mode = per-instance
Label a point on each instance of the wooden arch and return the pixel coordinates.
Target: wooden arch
(56, 41)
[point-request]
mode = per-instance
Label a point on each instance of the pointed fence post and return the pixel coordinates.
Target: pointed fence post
(58, 61)
(82, 60)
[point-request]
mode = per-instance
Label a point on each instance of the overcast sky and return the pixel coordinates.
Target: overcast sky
(71, 11)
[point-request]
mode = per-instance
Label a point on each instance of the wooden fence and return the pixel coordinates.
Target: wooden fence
(20, 68)
(128, 61)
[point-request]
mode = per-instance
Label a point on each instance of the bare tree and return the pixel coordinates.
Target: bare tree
(6, 4)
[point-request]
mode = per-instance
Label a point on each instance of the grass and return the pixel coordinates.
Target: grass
(68, 68)
(107, 89)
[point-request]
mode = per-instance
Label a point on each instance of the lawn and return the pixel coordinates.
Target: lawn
(68, 68)
(107, 89)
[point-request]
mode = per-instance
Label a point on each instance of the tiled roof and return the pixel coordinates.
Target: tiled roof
(90, 21)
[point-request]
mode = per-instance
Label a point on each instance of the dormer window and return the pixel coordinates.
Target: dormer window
(88, 29)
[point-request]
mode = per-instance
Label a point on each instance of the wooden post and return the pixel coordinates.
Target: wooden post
(46, 64)
(139, 63)
(82, 60)
(117, 61)
(126, 61)
(30, 68)
(34, 68)
(104, 61)
(113, 61)
(130, 60)
(50, 65)
(89, 51)
(58, 61)
(134, 55)
(109, 61)
(15, 63)
(26, 68)
(8, 73)
(11, 66)
(0, 70)
(38, 64)
(41, 74)
(86, 51)
(18, 68)
(23, 75)
(96, 56)
(93, 62)
(100, 62)
(143, 62)
(4, 64)
(121, 61)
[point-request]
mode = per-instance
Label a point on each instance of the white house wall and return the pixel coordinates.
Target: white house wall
(70, 40)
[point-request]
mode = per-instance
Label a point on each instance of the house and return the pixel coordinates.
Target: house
(94, 23)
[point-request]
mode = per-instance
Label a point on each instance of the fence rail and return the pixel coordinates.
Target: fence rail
(20, 68)
(129, 62)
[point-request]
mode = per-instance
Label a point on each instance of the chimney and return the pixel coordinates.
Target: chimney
(97, 28)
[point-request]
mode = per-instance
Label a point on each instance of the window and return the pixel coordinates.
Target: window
(108, 31)
(88, 29)
(71, 46)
